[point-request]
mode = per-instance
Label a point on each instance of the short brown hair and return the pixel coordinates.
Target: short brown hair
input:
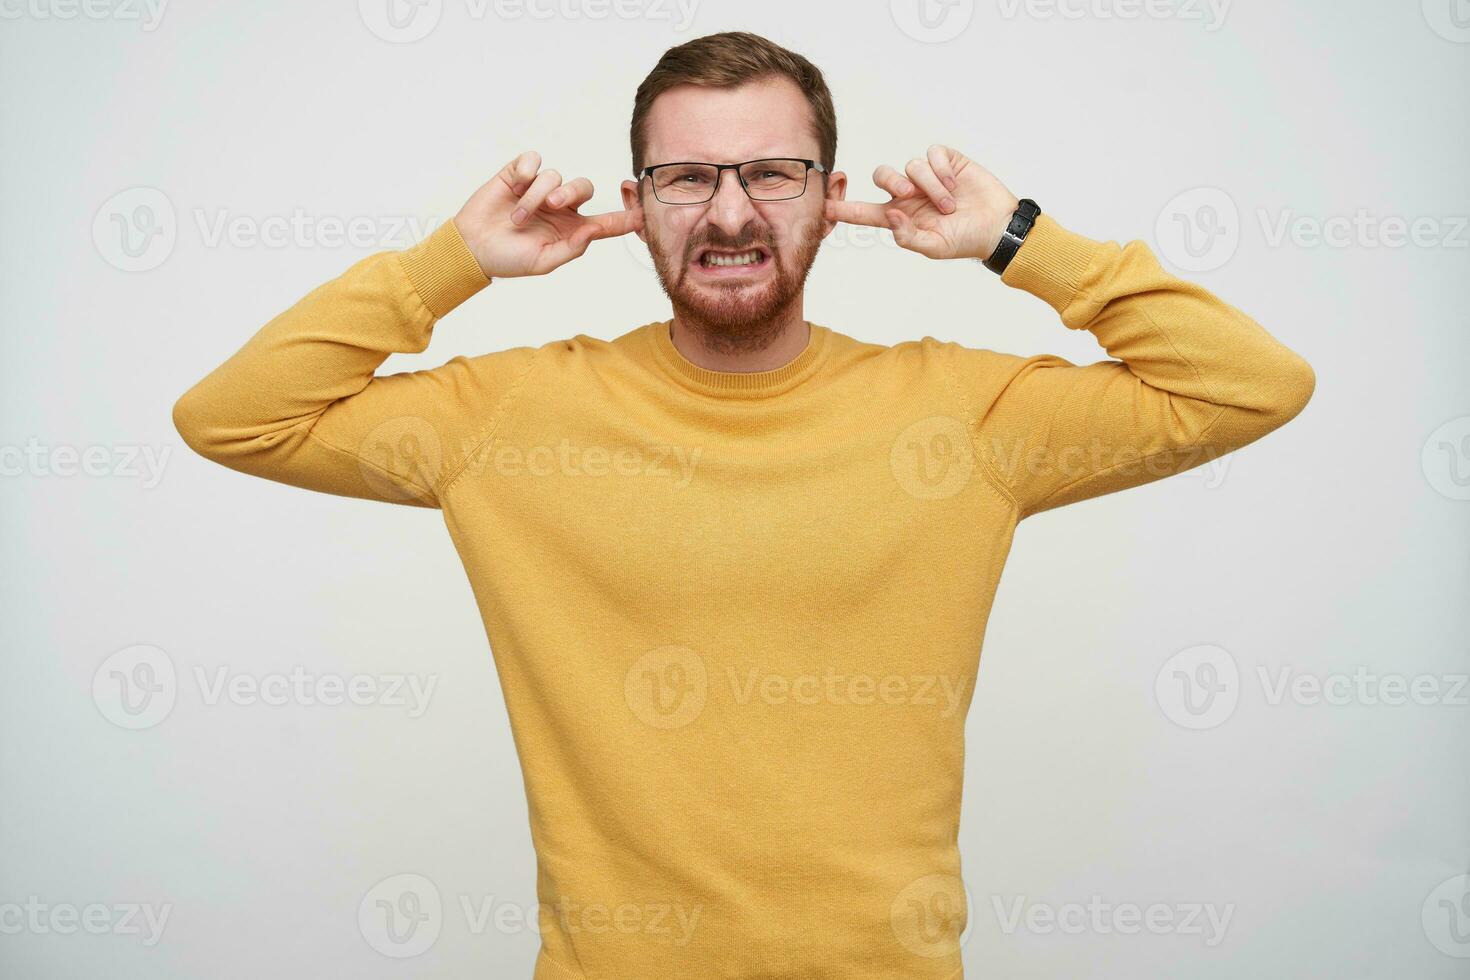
(726, 60)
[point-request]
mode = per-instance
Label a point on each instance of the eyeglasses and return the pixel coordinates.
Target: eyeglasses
(773, 179)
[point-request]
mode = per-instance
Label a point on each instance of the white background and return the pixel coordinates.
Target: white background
(1333, 835)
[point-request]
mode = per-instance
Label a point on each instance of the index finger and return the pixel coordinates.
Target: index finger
(613, 223)
(859, 213)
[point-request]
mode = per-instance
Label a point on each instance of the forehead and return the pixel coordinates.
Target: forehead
(769, 117)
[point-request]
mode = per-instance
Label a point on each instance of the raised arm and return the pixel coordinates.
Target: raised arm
(300, 403)
(1193, 377)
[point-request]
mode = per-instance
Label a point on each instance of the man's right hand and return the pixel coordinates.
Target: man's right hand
(524, 220)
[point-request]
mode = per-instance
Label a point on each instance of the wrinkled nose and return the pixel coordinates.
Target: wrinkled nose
(731, 209)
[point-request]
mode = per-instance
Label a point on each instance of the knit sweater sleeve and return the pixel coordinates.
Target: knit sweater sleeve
(1191, 378)
(300, 403)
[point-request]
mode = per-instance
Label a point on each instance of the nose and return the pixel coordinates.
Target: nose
(731, 209)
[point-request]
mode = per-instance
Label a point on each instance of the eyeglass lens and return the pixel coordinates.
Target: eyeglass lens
(764, 180)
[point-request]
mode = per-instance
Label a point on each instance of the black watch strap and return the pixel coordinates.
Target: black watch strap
(1015, 233)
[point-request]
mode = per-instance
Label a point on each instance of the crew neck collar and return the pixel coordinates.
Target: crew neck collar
(736, 384)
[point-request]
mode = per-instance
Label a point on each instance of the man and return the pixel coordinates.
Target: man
(735, 567)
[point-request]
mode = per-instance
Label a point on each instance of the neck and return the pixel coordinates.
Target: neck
(775, 344)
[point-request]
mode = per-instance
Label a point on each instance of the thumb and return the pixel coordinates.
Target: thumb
(571, 247)
(582, 237)
(901, 226)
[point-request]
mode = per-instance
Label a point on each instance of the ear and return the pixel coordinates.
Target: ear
(631, 202)
(836, 191)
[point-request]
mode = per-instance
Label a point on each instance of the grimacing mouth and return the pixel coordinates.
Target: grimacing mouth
(700, 253)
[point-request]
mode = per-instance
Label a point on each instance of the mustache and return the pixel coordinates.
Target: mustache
(746, 239)
(799, 235)
(731, 246)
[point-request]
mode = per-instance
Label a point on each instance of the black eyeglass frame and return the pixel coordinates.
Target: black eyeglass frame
(720, 169)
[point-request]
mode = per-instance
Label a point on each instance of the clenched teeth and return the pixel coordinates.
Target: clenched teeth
(743, 258)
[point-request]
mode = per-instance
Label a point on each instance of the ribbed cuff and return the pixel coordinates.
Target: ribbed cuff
(1050, 263)
(443, 270)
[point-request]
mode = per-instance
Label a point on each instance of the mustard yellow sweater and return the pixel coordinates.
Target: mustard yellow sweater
(737, 617)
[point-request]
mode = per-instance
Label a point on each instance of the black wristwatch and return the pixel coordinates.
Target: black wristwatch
(1015, 233)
